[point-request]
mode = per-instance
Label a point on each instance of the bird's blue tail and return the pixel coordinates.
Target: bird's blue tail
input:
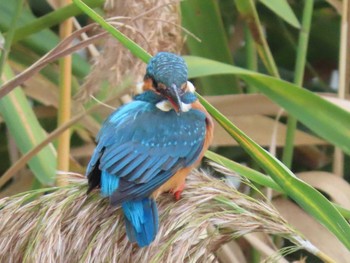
(141, 220)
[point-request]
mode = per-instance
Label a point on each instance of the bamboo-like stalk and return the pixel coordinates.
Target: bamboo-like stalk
(298, 78)
(344, 77)
(251, 55)
(64, 108)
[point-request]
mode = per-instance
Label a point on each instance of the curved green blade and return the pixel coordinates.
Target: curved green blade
(283, 10)
(209, 27)
(258, 177)
(305, 195)
(290, 97)
(322, 117)
(310, 199)
(27, 132)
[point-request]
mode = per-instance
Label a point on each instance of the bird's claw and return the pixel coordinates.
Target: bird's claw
(178, 192)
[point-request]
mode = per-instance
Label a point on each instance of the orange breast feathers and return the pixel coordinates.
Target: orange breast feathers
(177, 182)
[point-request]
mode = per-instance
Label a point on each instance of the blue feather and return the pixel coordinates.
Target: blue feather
(152, 171)
(188, 97)
(94, 159)
(114, 152)
(149, 96)
(132, 165)
(169, 163)
(138, 172)
(141, 220)
(109, 183)
(110, 159)
(120, 164)
(127, 189)
(167, 69)
(124, 112)
(144, 146)
(140, 147)
(193, 155)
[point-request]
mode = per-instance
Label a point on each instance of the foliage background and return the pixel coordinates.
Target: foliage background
(255, 35)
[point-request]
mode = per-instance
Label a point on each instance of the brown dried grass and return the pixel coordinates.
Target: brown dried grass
(152, 24)
(66, 225)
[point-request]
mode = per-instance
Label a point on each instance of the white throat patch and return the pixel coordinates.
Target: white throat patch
(190, 87)
(139, 88)
(165, 105)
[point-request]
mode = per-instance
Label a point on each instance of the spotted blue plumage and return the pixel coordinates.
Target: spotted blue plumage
(163, 66)
(139, 148)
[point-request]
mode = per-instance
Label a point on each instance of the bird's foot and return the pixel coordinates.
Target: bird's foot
(178, 192)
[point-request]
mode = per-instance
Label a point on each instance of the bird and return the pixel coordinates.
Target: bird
(148, 146)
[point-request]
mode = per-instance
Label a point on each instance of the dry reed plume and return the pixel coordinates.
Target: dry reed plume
(66, 225)
(152, 24)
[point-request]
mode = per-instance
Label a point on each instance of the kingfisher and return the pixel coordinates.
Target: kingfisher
(149, 145)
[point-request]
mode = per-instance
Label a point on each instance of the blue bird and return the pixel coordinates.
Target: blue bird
(150, 145)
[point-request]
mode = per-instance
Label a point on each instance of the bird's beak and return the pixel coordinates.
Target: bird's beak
(172, 94)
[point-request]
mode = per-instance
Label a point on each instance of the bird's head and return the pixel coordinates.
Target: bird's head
(166, 75)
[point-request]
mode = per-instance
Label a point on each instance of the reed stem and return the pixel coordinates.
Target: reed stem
(298, 78)
(64, 108)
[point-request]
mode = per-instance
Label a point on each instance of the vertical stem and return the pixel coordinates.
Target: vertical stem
(298, 78)
(248, 10)
(251, 55)
(344, 77)
(64, 110)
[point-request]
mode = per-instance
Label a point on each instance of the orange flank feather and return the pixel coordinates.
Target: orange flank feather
(147, 85)
(176, 183)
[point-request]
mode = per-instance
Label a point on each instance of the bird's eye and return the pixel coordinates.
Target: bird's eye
(160, 87)
(155, 84)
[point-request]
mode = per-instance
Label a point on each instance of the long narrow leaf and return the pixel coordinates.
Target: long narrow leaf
(35, 41)
(51, 19)
(27, 132)
(257, 177)
(310, 199)
(283, 10)
(247, 172)
(322, 117)
(306, 196)
(203, 19)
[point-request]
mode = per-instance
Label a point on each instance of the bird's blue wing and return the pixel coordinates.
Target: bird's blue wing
(141, 147)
